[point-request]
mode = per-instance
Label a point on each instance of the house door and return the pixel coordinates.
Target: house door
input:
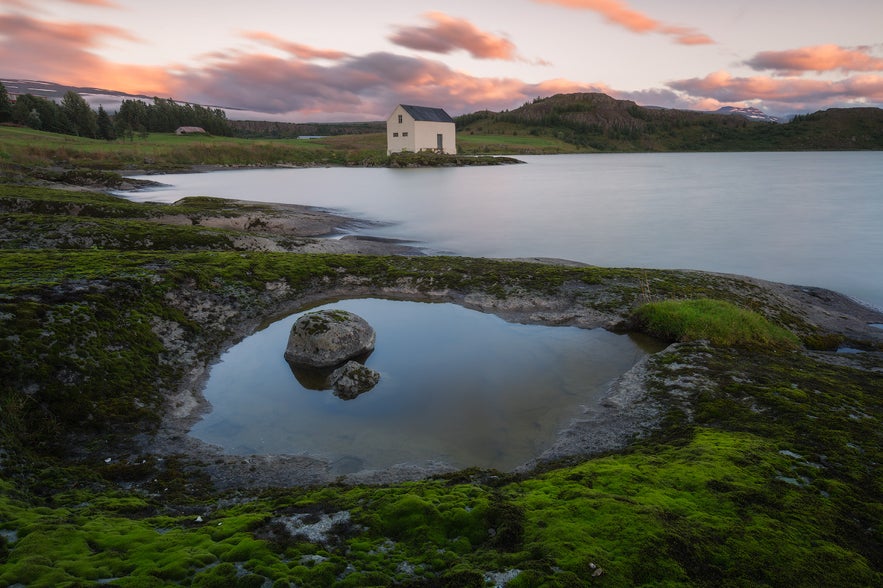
(439, 140)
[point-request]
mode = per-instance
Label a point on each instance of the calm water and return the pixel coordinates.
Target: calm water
(458, 386)
(802, 218)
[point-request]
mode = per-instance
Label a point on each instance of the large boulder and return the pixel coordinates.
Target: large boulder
(327, 338)
(353, 379)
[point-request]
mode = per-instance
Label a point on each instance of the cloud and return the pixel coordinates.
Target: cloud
(102, 3)
(358, 87)
(447, 34)
(619, 13)
(302, 83)
(294, 49)
(32, 5)
(63, 52)
(820, 58)
(784, 94)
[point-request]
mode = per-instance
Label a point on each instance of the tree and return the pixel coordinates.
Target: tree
(5, 104)
(81, 117)
(34, 121)
(39, 113)
(131, 116)
(105, 126)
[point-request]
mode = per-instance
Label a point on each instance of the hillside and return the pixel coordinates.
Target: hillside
(597, 122)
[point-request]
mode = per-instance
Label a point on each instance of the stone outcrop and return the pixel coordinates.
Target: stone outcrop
(353, 379)
(327, 338)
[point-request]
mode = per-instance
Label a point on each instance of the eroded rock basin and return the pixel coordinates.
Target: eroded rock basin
(459, 388)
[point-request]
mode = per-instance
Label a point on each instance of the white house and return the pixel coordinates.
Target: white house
(412, 128)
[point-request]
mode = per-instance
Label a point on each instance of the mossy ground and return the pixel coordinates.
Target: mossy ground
(765, 471)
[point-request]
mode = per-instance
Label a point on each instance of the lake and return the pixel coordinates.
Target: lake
(812, 219)
(457, 386)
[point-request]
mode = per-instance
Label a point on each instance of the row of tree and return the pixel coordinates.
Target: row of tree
(74, 116)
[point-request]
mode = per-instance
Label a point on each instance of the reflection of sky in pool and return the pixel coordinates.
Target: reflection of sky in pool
(457, 386)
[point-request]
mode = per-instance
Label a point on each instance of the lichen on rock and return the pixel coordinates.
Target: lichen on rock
(327, 338)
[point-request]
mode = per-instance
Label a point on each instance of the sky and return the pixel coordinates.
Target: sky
(351, 60)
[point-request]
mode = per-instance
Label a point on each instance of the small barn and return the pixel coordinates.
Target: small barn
(190, 131)
(416, 128)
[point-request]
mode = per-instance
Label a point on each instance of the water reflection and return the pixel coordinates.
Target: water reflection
(457, 386)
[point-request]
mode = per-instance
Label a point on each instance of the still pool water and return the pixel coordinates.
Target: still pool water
(457, 386)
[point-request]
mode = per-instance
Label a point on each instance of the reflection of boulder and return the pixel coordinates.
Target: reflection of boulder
(353, 379)
(326, 338)
(311, 378)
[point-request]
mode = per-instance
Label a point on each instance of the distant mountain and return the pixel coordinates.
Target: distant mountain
(750, 113)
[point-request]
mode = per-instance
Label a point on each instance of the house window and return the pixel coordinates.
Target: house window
(400, 119)
(395, 134)
(405, 134)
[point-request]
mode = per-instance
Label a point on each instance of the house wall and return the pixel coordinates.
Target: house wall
(396, 140)
(420, 134)
(426, 136)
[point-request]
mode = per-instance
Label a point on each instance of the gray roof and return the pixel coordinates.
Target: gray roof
(426, 113)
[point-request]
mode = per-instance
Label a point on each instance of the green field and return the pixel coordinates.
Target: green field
(160, 151)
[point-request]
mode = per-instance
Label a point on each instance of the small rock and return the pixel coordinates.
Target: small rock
(326, 338)
(353, 379)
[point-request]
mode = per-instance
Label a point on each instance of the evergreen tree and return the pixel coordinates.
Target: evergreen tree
(5, 104)
(105, 126)
(131, 116)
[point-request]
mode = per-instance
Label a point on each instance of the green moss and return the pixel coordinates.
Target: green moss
(703, 513)
(720, 322)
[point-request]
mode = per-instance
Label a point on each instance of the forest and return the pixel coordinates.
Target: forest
(74, 116)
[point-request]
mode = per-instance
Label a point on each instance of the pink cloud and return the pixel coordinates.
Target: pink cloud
(820, 58)
(103, 3)
(784, 94)
(447, 34)
(619, 13)
(62, 52)
(365, 87)
(32, 5)
(295, 49)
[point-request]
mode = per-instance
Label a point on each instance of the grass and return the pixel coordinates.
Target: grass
(720, 322)
(157, 151)
(523, 143)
